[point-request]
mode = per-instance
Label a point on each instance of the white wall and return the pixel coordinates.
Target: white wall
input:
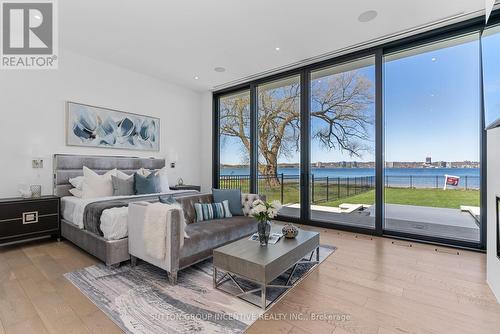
(493, 263)
(206, 141)
(32, 110)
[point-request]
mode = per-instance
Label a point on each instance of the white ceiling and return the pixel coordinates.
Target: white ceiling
(177, 40)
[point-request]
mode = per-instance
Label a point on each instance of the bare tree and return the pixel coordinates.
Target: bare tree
(342, 102)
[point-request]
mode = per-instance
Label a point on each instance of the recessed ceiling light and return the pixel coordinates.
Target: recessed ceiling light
(277, 48)
(37, 17)
(196, 77)
(433, 59)
(367, 16)
(220, 69)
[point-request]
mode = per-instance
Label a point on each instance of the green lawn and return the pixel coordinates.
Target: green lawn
(422, 197)
(338, 195)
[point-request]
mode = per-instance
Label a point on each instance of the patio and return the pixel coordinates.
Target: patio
(422, 220)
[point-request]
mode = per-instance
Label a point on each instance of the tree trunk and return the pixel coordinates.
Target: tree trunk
(270, 171)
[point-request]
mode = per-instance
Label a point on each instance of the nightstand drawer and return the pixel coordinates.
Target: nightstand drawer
(32, 224)
(27, 218)
(15, 210)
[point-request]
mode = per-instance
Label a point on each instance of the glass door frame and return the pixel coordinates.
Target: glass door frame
(457, 29)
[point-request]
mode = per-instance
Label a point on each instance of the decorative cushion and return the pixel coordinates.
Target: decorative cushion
(162, 173)
(122, 187)
(163, 180)
(95, 185)
(76, 192)
(168, 199)
(123, 176)
(77, 182)
(143, 171)
(146, 184)
(233, 196)
(188, 202)
(211, 211)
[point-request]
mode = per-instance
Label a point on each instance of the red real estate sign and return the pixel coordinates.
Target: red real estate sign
(450, 180)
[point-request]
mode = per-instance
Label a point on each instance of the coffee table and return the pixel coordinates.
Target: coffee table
(262, 264)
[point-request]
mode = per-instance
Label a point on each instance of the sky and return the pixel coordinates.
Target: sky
(431, 106)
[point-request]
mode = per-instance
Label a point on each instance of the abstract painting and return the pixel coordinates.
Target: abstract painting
(101, 127)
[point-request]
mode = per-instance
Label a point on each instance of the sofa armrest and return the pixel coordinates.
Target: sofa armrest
(175, 237)
(136, 215)
(247, 200)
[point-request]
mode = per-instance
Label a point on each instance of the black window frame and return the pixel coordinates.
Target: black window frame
(474, 25)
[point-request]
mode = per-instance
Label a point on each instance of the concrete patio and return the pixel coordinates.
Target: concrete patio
(430, 221)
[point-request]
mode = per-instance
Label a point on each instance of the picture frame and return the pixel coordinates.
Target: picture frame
(100, 127)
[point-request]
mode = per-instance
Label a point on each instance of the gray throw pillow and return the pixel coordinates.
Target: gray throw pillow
(233, 196)
(167, 199)
(122, 187)
(146, 184)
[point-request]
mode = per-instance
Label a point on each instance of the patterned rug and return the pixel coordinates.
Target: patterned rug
(140, 299)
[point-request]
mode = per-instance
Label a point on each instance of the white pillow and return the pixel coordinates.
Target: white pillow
(76, 192)
(143, 171)
(95, 185)
(77, 182)
(164, 187)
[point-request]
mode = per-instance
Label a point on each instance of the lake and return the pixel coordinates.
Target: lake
(400, 177)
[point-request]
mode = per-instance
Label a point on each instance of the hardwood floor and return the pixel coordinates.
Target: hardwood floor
(383, 286)
(370, 285)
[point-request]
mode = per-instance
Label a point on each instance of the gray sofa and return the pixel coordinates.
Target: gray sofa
(203, 237)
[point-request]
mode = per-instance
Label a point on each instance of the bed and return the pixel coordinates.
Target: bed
(111, 250)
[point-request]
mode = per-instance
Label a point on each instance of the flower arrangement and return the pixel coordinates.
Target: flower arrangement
(264, 211)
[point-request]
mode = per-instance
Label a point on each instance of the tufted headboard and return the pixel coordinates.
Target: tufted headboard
(67, 166)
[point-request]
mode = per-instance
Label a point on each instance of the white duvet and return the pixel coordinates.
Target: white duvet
(113, 221)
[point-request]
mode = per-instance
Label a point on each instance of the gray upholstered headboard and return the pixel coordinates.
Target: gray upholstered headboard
(67, 166)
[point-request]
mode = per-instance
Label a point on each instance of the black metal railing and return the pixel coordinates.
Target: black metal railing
(286, 187)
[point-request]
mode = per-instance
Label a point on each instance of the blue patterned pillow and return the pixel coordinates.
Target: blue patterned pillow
(210, 211)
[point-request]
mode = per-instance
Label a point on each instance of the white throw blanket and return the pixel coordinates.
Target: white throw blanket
(157, 229)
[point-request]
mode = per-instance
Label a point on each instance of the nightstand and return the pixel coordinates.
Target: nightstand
(185, 187)
(26, 218)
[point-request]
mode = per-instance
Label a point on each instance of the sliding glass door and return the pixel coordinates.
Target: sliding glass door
(384, 141)
(278, 137)
(342, 139)
(234, 141)
(432, 140)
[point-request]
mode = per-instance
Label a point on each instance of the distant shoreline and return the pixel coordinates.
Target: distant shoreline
(419, 177)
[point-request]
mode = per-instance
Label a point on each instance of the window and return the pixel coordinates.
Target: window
(279, 143)
(432, 140)
(491, 75)
(318, 154)
(342, 140)
(234, 125)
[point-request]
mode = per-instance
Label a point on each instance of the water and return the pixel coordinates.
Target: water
(397, 177)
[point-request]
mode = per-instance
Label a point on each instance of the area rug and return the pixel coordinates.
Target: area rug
(140, 299)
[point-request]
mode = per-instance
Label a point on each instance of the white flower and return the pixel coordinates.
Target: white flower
(259, 208)
(276, 205)
(272, 212)
(257, 202)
